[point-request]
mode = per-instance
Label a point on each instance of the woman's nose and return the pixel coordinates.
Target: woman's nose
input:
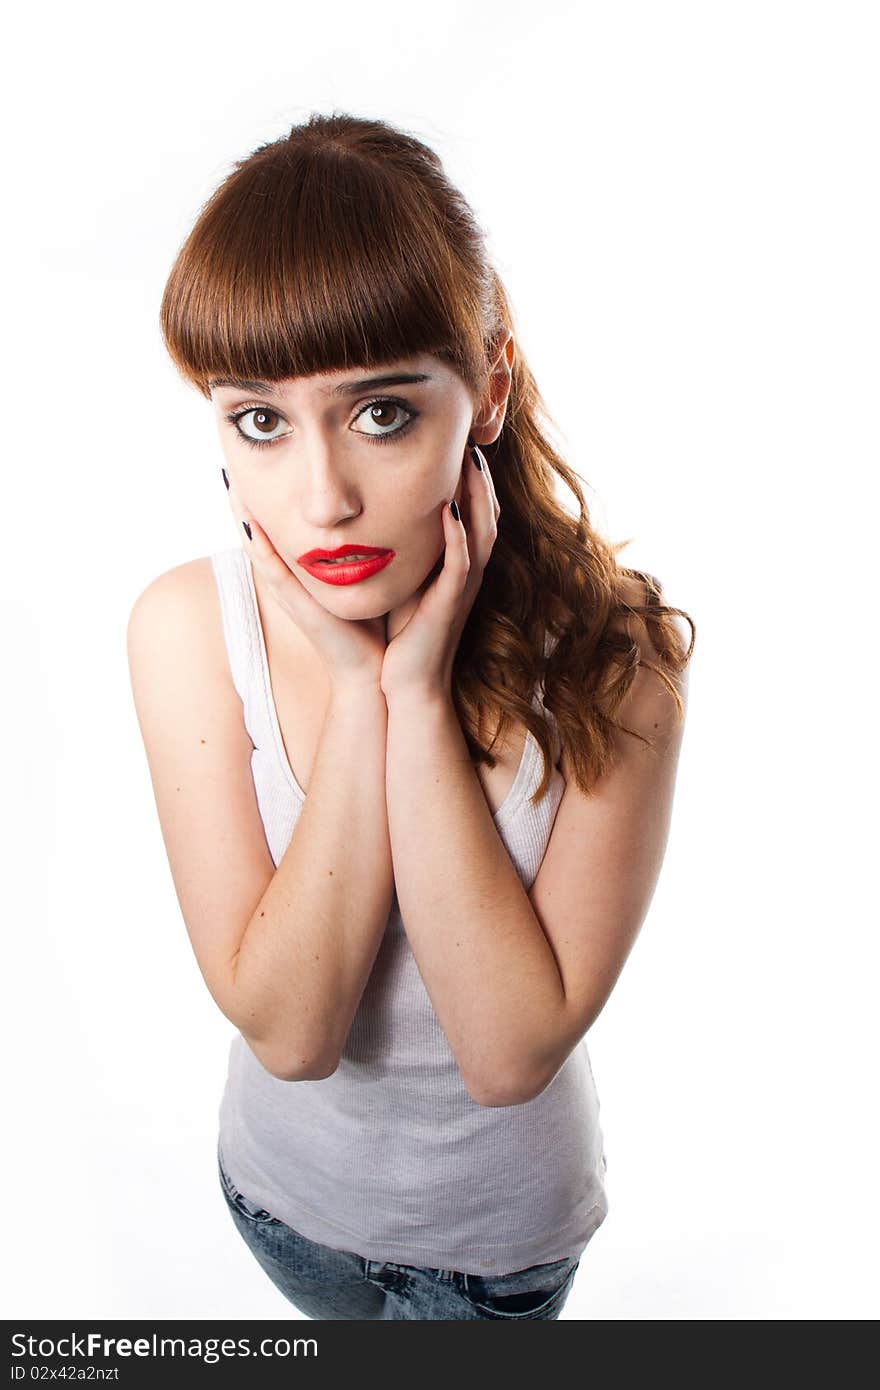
(327, 493)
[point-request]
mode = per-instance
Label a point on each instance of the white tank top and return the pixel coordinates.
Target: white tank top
(390, 1157)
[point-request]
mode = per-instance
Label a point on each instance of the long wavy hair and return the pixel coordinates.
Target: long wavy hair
(343, 244)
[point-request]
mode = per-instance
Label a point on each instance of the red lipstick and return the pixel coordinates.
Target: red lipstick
(328, 566)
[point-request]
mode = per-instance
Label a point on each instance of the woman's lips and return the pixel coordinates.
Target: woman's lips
(342, 571)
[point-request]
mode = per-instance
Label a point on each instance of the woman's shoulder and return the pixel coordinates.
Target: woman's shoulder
(192, 581)
(633, 596)
(649, 704)
(181, 604)
(189, 577)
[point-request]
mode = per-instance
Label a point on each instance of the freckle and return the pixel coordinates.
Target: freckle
(201, 740)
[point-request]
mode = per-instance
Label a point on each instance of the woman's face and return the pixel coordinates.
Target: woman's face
(352, 461)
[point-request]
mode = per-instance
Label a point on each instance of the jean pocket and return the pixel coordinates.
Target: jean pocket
(537, 1292)
(241, 1204)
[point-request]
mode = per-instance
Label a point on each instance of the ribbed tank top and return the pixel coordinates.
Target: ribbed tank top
(390, 1157)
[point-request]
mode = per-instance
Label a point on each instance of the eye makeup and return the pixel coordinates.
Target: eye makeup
(234, 416)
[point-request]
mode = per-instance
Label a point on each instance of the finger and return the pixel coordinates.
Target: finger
(286, 587)
(238, 509)
(463, 494)
(257, 543)
(484, 469)
(479, 482)
(484, 527)
(453, 577)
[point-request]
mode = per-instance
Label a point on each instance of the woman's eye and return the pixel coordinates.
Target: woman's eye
(383, 413)
(267, 425)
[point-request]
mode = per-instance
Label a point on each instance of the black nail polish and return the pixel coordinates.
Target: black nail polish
(247, 530)
(453, 507)
(225, 479)
(476, 457)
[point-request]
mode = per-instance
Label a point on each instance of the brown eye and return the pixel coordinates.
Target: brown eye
(263, 420)
(264, 426)
(385, 415)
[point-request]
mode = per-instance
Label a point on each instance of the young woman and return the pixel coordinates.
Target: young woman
(415, 802)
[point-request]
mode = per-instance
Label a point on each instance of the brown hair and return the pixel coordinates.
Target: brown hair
(344, 244)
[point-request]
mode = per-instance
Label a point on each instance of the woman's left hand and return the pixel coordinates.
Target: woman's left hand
(419, 657)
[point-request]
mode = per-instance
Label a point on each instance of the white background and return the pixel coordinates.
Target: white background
(682, 199)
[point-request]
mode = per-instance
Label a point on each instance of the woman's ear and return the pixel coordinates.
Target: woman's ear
(489, 421)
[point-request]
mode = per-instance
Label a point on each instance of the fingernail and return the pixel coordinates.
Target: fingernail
(247, 530)
(453, 507)
(225, 479)
(475, 455)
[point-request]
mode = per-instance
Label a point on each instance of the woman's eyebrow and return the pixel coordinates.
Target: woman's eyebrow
(367, 383)
(345, 388)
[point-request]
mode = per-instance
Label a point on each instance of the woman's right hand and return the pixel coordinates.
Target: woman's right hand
(351, 650)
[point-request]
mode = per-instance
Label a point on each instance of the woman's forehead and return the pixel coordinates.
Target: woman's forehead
(420, 370)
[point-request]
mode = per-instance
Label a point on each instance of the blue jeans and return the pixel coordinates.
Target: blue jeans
(335, 1284)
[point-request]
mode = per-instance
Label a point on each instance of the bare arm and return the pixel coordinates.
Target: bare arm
(307, 951)
(285, 953)
(487, 966)
(517, 977)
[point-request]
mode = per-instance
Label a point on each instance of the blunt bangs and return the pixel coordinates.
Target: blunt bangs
(317, 261)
